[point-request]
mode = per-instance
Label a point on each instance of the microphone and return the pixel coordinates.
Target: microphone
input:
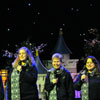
(21, 65)
(24, 63)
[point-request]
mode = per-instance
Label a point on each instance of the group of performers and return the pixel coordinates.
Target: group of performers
(59, 85)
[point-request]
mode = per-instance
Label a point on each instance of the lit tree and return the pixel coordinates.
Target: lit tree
(92, 46)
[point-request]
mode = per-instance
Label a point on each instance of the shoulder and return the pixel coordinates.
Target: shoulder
(65, 70)
(67, 73)
(51, 70)
(33, 66)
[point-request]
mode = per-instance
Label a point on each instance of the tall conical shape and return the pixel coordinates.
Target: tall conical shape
(40, 67)
(61, 46)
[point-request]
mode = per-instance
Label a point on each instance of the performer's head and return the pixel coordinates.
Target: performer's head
(57, 60)
(24, 54)
(92, 63)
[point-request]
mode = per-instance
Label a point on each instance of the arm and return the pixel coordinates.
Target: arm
(48, 85)
(78, 83)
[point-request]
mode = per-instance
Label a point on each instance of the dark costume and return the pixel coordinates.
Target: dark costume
(1, 89)
(27, 83)
(90, 87)
(64, 87)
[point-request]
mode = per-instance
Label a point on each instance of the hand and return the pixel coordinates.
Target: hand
(83, 77)
(23, 64)
(55, 80)
(19, 68)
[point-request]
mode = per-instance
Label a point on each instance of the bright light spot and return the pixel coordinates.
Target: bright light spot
(29, 4)
(8, 9)
(91, 5)
(63, 24)
(72, 8)
(34, 23)
(51, 33)
(38, 13)
(8, 29)
(77, 10)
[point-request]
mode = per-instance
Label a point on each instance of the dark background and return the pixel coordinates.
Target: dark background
(41, 20)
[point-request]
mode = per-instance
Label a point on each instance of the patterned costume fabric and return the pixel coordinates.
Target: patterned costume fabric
(85, 86)
(53, 94)
(84, 91)
(15, 90)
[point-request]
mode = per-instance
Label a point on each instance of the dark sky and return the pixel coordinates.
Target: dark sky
(41, 20)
